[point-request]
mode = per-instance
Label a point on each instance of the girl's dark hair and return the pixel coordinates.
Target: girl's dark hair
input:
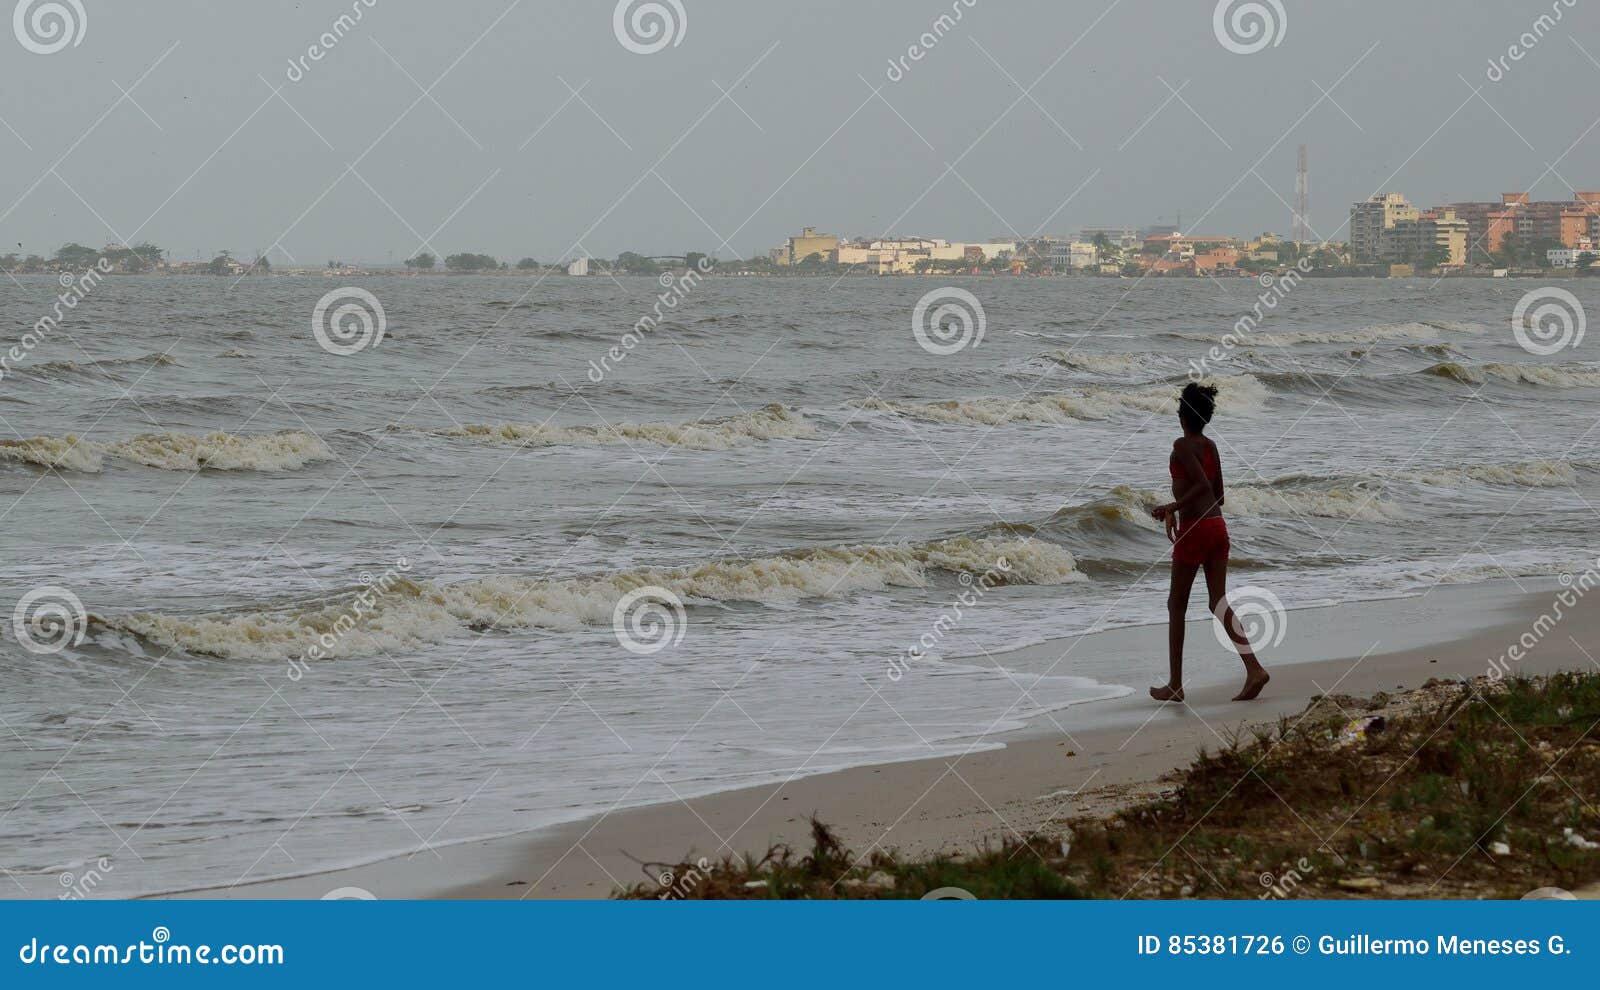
(1197, 404)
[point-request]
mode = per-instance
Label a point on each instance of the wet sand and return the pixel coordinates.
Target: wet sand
(1087, 759)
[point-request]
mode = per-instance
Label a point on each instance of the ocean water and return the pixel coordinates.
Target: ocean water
(343, 606)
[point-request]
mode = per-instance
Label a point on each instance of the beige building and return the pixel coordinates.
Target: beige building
(1369, 220)
(1413, 240)
(808, 243)
(991, 249)
(899, 256)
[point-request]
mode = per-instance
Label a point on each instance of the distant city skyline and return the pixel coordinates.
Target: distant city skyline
(369, 130)
(1485, 235)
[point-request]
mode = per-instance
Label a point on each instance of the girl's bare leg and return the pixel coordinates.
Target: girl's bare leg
(1255, 676)
(1177, 611)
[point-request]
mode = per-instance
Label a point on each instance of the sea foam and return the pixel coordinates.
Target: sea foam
(771, 422)
(1545, 375)
(410, 612)
(288, 451)
(1238, 395)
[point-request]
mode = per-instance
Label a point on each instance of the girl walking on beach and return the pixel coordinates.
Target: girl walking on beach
(1199, 537)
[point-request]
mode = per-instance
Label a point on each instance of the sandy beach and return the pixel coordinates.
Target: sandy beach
(1084, 760)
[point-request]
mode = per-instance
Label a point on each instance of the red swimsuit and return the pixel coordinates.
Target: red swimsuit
(1202, 540)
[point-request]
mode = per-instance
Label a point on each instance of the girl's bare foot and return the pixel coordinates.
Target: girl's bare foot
(1165, 693)
(1254, 681)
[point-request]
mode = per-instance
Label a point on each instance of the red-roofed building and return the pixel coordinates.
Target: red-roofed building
(1565, 222)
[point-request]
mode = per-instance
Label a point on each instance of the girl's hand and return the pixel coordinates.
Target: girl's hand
(1160, 511)
(1170, 522)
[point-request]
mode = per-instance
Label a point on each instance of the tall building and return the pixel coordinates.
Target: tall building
(1301, 230)
(1563, 222)
(1434, 238)
(1369, 220)
(807, 244)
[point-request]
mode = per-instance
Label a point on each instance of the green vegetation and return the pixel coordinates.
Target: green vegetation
(73, 256)
(467, 262)
(635, 264)
(423, 262)
(1524, 252)
(1469, 792)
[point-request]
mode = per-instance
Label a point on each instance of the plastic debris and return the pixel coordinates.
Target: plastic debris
(1358, 729)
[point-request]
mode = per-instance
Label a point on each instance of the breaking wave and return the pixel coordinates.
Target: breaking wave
(769, 423)
(1412, 331)
(1258, 501)
(1239, 395)
(66, 453)
(1328, 497)
(1322, 503)
(1546, 375)
(411, 613)
(1354, 497)
(57, 369)
(289, 451)
(1103, 364)
(1521, 474)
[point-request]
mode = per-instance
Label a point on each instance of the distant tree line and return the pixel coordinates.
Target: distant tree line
(75, 257)
(628, 263)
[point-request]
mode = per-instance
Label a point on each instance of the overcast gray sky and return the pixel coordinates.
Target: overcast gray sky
(354, 162)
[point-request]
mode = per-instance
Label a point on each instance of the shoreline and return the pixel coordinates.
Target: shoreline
(1546, 274)
(1110, 753)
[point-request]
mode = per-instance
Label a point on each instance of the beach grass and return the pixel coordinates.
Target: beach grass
(1461, 789)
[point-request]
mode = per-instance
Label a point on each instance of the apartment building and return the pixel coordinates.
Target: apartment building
(1371, 218)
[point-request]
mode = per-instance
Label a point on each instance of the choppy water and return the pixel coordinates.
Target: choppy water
(782, 455)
